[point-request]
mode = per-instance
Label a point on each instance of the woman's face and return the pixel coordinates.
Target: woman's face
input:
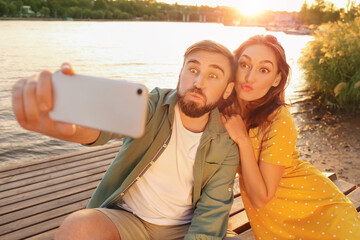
(257, 72)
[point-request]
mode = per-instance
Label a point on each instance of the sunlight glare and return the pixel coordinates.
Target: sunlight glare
(250, 7)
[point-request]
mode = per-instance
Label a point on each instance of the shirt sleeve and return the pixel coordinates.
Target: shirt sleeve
(278, 145)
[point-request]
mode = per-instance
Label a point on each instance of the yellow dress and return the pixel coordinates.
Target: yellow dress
(307, 205)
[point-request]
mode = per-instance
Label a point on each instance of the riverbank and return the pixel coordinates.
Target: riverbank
(329, 140)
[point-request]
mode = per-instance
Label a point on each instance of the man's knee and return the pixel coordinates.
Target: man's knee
(87, 224)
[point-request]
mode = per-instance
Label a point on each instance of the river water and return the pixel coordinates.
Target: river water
(147, 52)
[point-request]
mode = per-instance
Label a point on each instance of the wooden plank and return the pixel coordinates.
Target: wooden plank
(354, 196)
(56, 174)
(41, 185)
(21, 166)
(247, 235)
(34, 229)
(50, 188)
(344, 187)
(42, 217)
(60, 161)
(236, 187)
(47, 198)
(44, 236)
(331, 175)
(46, 206)
(49, 170)
(237, 206)
(239, 222)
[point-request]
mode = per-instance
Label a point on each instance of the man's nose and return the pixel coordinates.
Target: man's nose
(199, 81)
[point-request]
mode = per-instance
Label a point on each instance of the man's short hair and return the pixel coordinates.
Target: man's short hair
(215, 47)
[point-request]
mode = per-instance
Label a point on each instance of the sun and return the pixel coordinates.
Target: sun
(250, 7)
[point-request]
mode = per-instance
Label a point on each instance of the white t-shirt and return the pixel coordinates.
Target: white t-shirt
(163, 195)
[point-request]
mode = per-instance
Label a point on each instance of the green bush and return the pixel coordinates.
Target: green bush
(331, 64)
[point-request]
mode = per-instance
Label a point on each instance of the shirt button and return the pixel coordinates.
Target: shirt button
(229, 189)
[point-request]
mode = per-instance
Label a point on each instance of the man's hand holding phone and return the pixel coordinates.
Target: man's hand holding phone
(33, 99)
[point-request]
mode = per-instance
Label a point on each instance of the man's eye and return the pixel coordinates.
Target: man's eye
(244, 65)
(212, 76)
(193, 70)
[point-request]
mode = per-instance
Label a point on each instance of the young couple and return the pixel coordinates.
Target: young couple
(176, 181)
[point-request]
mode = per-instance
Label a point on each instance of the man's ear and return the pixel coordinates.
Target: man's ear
(228, 90)
(277, 80)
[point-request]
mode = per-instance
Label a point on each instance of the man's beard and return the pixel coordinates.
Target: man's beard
(191, 109)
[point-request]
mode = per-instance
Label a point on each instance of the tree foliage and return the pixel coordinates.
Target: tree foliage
(323, 12)
(331, 63)
(105, 9)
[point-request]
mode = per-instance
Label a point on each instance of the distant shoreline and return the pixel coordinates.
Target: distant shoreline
(63, 19)
(99, 20)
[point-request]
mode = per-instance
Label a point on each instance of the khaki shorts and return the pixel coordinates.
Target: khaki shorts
(131, 227)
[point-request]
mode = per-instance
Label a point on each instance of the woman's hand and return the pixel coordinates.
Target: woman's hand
(236, 128)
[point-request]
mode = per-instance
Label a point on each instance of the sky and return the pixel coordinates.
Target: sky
(255, 6)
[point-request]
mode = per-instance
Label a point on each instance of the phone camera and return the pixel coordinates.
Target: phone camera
(139, 91)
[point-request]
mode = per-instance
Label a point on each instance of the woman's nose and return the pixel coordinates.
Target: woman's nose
(249, 76)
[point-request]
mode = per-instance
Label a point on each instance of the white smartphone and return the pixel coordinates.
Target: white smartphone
(116, 106)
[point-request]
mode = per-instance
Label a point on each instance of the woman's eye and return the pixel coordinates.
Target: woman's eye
(212, 76)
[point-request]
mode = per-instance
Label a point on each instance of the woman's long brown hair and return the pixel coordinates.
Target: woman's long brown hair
(257, 113)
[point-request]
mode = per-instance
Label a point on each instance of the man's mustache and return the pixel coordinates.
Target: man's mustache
(197, 91)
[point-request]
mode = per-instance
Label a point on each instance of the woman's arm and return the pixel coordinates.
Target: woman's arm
(260, 179)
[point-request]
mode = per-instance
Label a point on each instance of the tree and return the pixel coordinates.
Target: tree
(45, 11)
(303, 14)
(3, 8)
(101, 5)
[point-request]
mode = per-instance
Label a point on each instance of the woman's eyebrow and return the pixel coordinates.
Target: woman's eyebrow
(267, 61)
(249, 58)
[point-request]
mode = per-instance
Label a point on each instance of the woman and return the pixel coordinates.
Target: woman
(284, 197)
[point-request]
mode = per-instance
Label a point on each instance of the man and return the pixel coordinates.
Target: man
(176, 180)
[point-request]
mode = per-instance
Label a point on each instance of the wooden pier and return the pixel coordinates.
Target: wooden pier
(36, 196)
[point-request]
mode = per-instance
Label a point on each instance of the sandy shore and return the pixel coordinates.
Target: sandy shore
(330, 141)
